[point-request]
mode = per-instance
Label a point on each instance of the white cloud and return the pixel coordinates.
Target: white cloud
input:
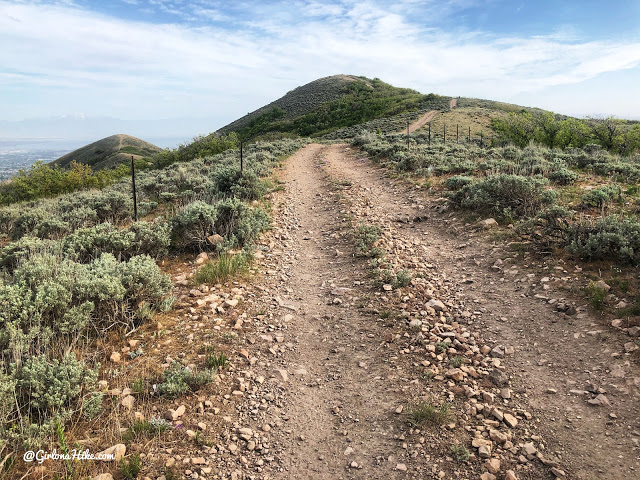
(74, 57)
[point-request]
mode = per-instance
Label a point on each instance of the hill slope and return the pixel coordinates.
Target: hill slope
(109, 152)
(330, 103)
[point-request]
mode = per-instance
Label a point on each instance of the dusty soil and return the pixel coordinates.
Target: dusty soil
(422, 121)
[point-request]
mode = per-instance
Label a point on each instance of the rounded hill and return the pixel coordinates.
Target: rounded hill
(109, 152)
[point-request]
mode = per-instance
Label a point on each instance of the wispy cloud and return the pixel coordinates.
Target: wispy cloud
(234, 59)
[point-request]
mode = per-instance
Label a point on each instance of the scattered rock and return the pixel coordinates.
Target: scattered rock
(281, 374)
(177, 413)
(215, 239)
(115, 357)
(128, 401)
(510, 475)
(437, 305)
(118, 451)
(487, 223)
(600, 400)
(492, 465)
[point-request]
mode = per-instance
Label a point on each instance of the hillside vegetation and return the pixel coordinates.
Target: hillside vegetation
(48, 180)
(75, 267)
(109, 152)
(332, 103)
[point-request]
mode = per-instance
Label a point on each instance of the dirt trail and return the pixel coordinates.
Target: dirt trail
(559, 358)
(326, 364)
(343, 412)
(453, 103)
(422, 121)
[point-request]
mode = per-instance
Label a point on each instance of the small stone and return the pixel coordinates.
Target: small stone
(557, 472)
(601, 285)
(348, 451)
(401, 467)
(177, 413)
(437, 305)
(497, 436)
(529, 448)
(115, 357)
(492, 465)
(198, 461)
(510, 420)
(599, 400)
(201, 258)
(487, 476)
(281, 374)
(484, 451)
(128, 401)
(455, 374)
(103, 476)
(510, 475)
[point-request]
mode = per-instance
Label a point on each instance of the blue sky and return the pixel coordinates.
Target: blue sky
(201, 64)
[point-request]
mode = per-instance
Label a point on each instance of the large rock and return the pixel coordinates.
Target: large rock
(215, 239)
(487, 223)
(437, 305)
(116, 452)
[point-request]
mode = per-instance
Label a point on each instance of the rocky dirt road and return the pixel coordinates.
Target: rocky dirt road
(481, 368)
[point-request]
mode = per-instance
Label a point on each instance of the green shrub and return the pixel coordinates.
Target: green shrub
(504, 195)
(27, 222)
(140, 238)
(79, 217)
(47, 385)
(177, 380)
(193, 224)
(563, 176)
(131, 467)
(365, 238)
(230, 181)
(460, 453)
(611, 237)
(52, 228)
(7, 217)
(600, 197)
(238, 223)
(14, 252)
(113, 206)
(143, 281)
(457, 182)
(425, 413)
(597, 295)
(92, 405)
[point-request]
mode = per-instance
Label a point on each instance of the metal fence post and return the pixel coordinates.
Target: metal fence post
(133, 185)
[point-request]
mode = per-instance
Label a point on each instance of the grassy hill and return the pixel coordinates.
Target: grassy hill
(331, 103)
(109, 152)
